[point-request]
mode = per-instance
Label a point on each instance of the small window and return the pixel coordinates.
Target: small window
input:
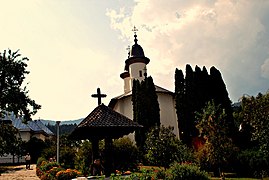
(140, 73)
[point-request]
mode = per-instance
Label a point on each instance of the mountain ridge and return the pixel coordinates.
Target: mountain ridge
(67, 122)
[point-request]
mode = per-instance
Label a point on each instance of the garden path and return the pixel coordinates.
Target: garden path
(20, 173)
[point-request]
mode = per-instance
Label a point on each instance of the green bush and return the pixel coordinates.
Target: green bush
(125, 154)
(164, 148)
(253, 163)
(84, 158)
(39, 161)
(185, 172)
(47, 166)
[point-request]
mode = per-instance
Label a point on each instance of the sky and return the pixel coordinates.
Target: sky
(76, 46)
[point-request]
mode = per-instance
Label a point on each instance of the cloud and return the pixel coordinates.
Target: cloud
(265, 69)
(231, 35)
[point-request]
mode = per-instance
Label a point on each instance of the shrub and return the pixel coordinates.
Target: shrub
(125, 153)
(186, 172)
(67, 174)
(39, 161)
(253, 163)
(48, 165)
(83, 158)
(164, 148)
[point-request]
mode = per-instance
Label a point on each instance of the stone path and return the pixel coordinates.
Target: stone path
(20, 173)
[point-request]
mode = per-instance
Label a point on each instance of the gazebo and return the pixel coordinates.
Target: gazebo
(104, 123)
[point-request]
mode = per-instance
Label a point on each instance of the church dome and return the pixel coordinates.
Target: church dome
(137, 51)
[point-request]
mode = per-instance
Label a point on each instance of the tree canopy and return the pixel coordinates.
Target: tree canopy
(9, 143)
(255, 113)
(13, 98)
(164, 148)
(13, 95)
(218, 147)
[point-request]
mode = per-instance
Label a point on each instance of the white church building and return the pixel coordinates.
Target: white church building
(136, 68)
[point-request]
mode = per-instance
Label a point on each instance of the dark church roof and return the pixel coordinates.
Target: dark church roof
(136, 54)
(137, 51)
(104, 122)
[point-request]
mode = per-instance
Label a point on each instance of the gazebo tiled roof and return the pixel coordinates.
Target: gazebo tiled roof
(104, 122)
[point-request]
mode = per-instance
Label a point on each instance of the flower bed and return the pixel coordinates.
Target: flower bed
(46, 170)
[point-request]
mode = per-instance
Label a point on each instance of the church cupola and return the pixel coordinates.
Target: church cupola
(135, 65)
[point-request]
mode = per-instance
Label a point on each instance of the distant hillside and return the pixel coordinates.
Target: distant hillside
(51, 122)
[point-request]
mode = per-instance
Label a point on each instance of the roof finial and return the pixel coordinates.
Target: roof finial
(128, 49)
(135, 36)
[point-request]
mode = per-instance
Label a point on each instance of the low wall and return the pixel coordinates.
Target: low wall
(10, 159)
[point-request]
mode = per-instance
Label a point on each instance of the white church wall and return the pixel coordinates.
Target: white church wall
(137, 71)
(125, 107)
(127, 86)
(168, 112)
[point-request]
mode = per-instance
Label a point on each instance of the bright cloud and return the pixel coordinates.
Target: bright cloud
(231, 35)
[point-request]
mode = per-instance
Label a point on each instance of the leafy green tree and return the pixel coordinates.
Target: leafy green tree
(10, 143)
(13, 96)
(145, 107)
(218, 147)
(255, 112)
(164, 148)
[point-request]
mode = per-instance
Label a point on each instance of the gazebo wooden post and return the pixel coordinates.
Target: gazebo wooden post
(95, 149)
(108, 156)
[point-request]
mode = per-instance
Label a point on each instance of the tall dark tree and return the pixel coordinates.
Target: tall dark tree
(145, 107)
(220, 95)
(180, 104)
(192, 94)
(13, 96)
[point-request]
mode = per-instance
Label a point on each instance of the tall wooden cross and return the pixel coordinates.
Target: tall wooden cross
(99, 96)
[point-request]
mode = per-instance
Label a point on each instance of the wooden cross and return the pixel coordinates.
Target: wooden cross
(99, 96)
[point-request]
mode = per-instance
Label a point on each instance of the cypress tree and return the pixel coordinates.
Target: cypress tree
(180, 99)
(221, 97)
(192, 94)
(145, 108)
(190, 104)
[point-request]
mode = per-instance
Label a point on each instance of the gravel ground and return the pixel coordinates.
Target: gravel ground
(20, 173)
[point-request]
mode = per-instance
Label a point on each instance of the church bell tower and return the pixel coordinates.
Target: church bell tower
(135, 65)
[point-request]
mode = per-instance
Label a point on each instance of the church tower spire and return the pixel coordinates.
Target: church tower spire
(135, 65)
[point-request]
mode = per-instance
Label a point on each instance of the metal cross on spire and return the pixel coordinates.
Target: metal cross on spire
(99, 96)
(128, 49)
(135, 30)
